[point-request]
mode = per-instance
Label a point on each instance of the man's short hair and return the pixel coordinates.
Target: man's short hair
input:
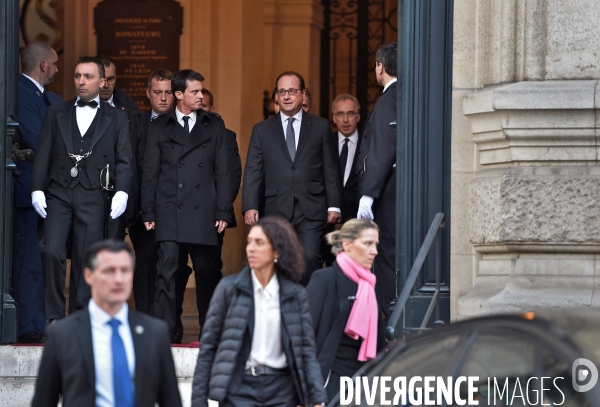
(274, 94)
(109, 245)
(106, 60)
(33, 54)
(345, 96)
(181, 78)
(387, 55)
(291, 73)
(93, 60)
(160, 74)
(206, 92)
(309, 97)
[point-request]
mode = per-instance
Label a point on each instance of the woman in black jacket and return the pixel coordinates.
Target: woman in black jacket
(348, 322)
(257, 346)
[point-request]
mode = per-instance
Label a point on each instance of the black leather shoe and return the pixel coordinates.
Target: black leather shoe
(30, 337)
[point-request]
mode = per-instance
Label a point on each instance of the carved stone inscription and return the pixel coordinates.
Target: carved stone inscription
(140, 36)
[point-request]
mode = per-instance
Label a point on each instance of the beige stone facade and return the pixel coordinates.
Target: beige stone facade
(525, 151)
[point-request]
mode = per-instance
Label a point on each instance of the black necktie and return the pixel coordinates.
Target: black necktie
(91, 103)
(344, 157)
(186, 126)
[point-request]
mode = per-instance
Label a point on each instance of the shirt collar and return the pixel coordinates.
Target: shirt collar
(100, 316)
(180, 115)
(153, 115)
(389, 83)
(272, 288)
(36, 83)
(353, 137)
(297, 116)
(97, 99)
(111, 101)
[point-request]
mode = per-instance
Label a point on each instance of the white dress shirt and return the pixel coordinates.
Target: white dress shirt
(36, 83)
(101, 342)
(352, 140)
(85, 116)
(191, 120)
(387, 85)
(296, 125)
(267, 349)
(111, 101)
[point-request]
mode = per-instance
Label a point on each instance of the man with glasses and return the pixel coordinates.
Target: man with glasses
(346, 116)
(294, 156)
(116, 97)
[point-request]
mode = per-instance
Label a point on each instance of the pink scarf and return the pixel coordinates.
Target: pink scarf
(362, 322)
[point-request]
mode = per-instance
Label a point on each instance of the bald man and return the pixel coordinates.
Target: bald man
(39, 66)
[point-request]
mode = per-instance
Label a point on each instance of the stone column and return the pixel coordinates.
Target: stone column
(526, 196)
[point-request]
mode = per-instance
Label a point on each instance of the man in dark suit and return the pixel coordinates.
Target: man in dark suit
(117, 98)
(294, 155)
(82, 145)
(186, 193)
(346, 116)
(105, 354)
(144, 241)
(39, 65)
(235, 179)
(376, 167)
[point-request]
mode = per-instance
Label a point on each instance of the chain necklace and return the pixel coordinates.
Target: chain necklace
(77, 158)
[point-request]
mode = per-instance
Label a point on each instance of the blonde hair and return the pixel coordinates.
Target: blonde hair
(350, 231)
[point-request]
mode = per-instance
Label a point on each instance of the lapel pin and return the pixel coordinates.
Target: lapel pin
(38, 93)
(139, 329)
(123, 108)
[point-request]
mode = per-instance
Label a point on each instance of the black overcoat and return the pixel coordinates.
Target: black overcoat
(185, 186)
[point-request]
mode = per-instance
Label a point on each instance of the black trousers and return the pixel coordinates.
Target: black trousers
(82, 211)
(384, 266)
(310, 234)
(207, 278)
(263, 391)
(146, 257)
(28, 277)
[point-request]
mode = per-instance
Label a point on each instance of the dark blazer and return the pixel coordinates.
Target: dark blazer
(186, 184)
(123, 102)
(314, 175)
(350, 190)
(140, 148)
(377, 152)
(227, 340)
(110, 145)
(235, 170)
(33, 105)
(331, 297)
(67, 365)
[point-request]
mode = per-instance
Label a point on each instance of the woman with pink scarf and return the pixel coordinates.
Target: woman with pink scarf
(346, 317)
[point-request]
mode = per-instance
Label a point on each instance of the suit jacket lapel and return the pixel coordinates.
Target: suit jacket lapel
(63, 117)
(279, 135)
(198, 135)
(138, 335)
(84, 337)
(304, 133)
(105, 118)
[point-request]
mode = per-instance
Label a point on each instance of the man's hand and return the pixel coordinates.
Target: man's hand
(220, 225)
(38, 201)
(333, 217)
(251, 217)
(118, 205)
(364, 208)
(149, 225)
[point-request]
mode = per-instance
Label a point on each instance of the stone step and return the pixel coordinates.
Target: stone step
(19, 367)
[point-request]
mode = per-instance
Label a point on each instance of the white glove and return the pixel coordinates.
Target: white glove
(364, 208)
(119, 203)
(38, 200)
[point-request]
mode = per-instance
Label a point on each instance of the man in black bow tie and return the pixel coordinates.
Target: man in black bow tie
(83, 154)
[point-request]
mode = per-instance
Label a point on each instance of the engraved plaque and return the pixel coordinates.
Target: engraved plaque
(140, 36)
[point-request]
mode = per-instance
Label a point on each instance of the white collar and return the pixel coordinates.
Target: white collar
(272, 287)
(97, 99)
(99, 315)
(36, 83)
(353, 137)
(297, 116)
(153, 114)
(387, 85)
(111, 100)
(180, 115)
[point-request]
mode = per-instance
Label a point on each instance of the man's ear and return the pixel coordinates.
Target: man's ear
(148, 93)
(43, 66)
(87, 276)
(178, 95)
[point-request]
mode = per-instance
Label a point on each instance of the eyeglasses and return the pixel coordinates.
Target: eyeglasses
(342, 114)
(111, 79)
(292, 92)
